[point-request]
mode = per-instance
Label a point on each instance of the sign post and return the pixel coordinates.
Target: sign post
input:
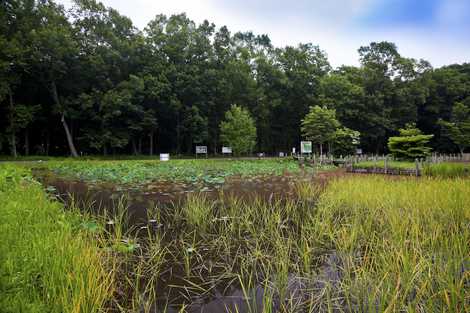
(226, 150)
(201, 150)
(306, 147)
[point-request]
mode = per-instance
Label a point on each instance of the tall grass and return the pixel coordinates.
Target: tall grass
(355, 244)
(449, 170)
(402, 165)
(48, 263)
(411, 238)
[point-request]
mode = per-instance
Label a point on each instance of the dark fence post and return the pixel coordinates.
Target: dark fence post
(385, 165)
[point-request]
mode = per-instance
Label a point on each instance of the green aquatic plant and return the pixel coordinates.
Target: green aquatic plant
(141, 172)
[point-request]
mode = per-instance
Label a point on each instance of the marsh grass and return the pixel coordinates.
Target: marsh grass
(411, 235)
(48, 261)
(400, 165)
(447, 170)
(356, 244)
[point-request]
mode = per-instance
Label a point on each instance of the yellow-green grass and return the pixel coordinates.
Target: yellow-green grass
(447, 170)
(402, 165)
(408, 241)
(48, 263)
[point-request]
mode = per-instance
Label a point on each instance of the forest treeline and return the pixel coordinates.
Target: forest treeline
(86, 80)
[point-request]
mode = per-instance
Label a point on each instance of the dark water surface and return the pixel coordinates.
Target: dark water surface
(225, 295)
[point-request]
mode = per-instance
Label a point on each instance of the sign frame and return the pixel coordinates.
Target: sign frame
(164, 157)
(201, 150)
(306, 147)
(226, 150)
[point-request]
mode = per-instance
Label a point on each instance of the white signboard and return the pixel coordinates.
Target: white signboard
(281, 154)
(164, 157)
(293, 150)
(201, 149)
(305, 147)
(226, 150)
(358, 151)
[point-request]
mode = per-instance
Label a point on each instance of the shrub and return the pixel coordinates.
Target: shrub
(411, 143)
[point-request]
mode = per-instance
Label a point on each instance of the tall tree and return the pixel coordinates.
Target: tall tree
(458, 128)
(238, 130)
(320, 126)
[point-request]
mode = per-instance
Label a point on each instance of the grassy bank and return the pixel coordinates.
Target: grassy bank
(449, 170)
(401, 165)
(445, 170)
(48, 262)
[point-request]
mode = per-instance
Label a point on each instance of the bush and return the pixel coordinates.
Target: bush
(411, 143)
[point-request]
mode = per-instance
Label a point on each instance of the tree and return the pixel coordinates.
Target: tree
(100, 83)
(411, 143)
(458, 128)
(238, 130)
(320, 126)
(345, 141)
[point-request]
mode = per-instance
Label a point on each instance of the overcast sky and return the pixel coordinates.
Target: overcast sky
(435, 30)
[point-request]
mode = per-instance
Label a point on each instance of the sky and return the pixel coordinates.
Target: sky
(435, 30)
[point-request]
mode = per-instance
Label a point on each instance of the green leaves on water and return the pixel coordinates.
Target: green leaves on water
(212, 172)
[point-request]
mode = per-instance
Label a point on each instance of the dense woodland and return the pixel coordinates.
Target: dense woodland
(87, 81)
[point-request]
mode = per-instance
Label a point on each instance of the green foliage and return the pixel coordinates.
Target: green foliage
(238, 130)
(458, 128)
(410, 144)
(320, 125)
(346, 141)
(123, 90)
(142, 172)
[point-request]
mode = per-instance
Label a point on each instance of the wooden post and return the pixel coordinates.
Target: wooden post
(385, 165)
(417, 167)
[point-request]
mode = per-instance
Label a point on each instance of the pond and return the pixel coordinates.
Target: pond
(179, 258)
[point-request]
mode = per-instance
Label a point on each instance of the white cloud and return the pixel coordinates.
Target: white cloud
(330, 24)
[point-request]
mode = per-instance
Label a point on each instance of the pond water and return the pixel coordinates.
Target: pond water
(208, 286)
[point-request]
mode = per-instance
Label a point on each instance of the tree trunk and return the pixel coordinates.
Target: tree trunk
(55, 95)
(151, 142)
(12, 127)
(13, 145)
(48, 143)
(134, 147)
(178, 134)
(73, 151)
(26, 141)
(140, 145)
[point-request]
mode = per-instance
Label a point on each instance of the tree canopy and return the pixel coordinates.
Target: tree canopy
(87, 81)
(458, 128)
(320, 126)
